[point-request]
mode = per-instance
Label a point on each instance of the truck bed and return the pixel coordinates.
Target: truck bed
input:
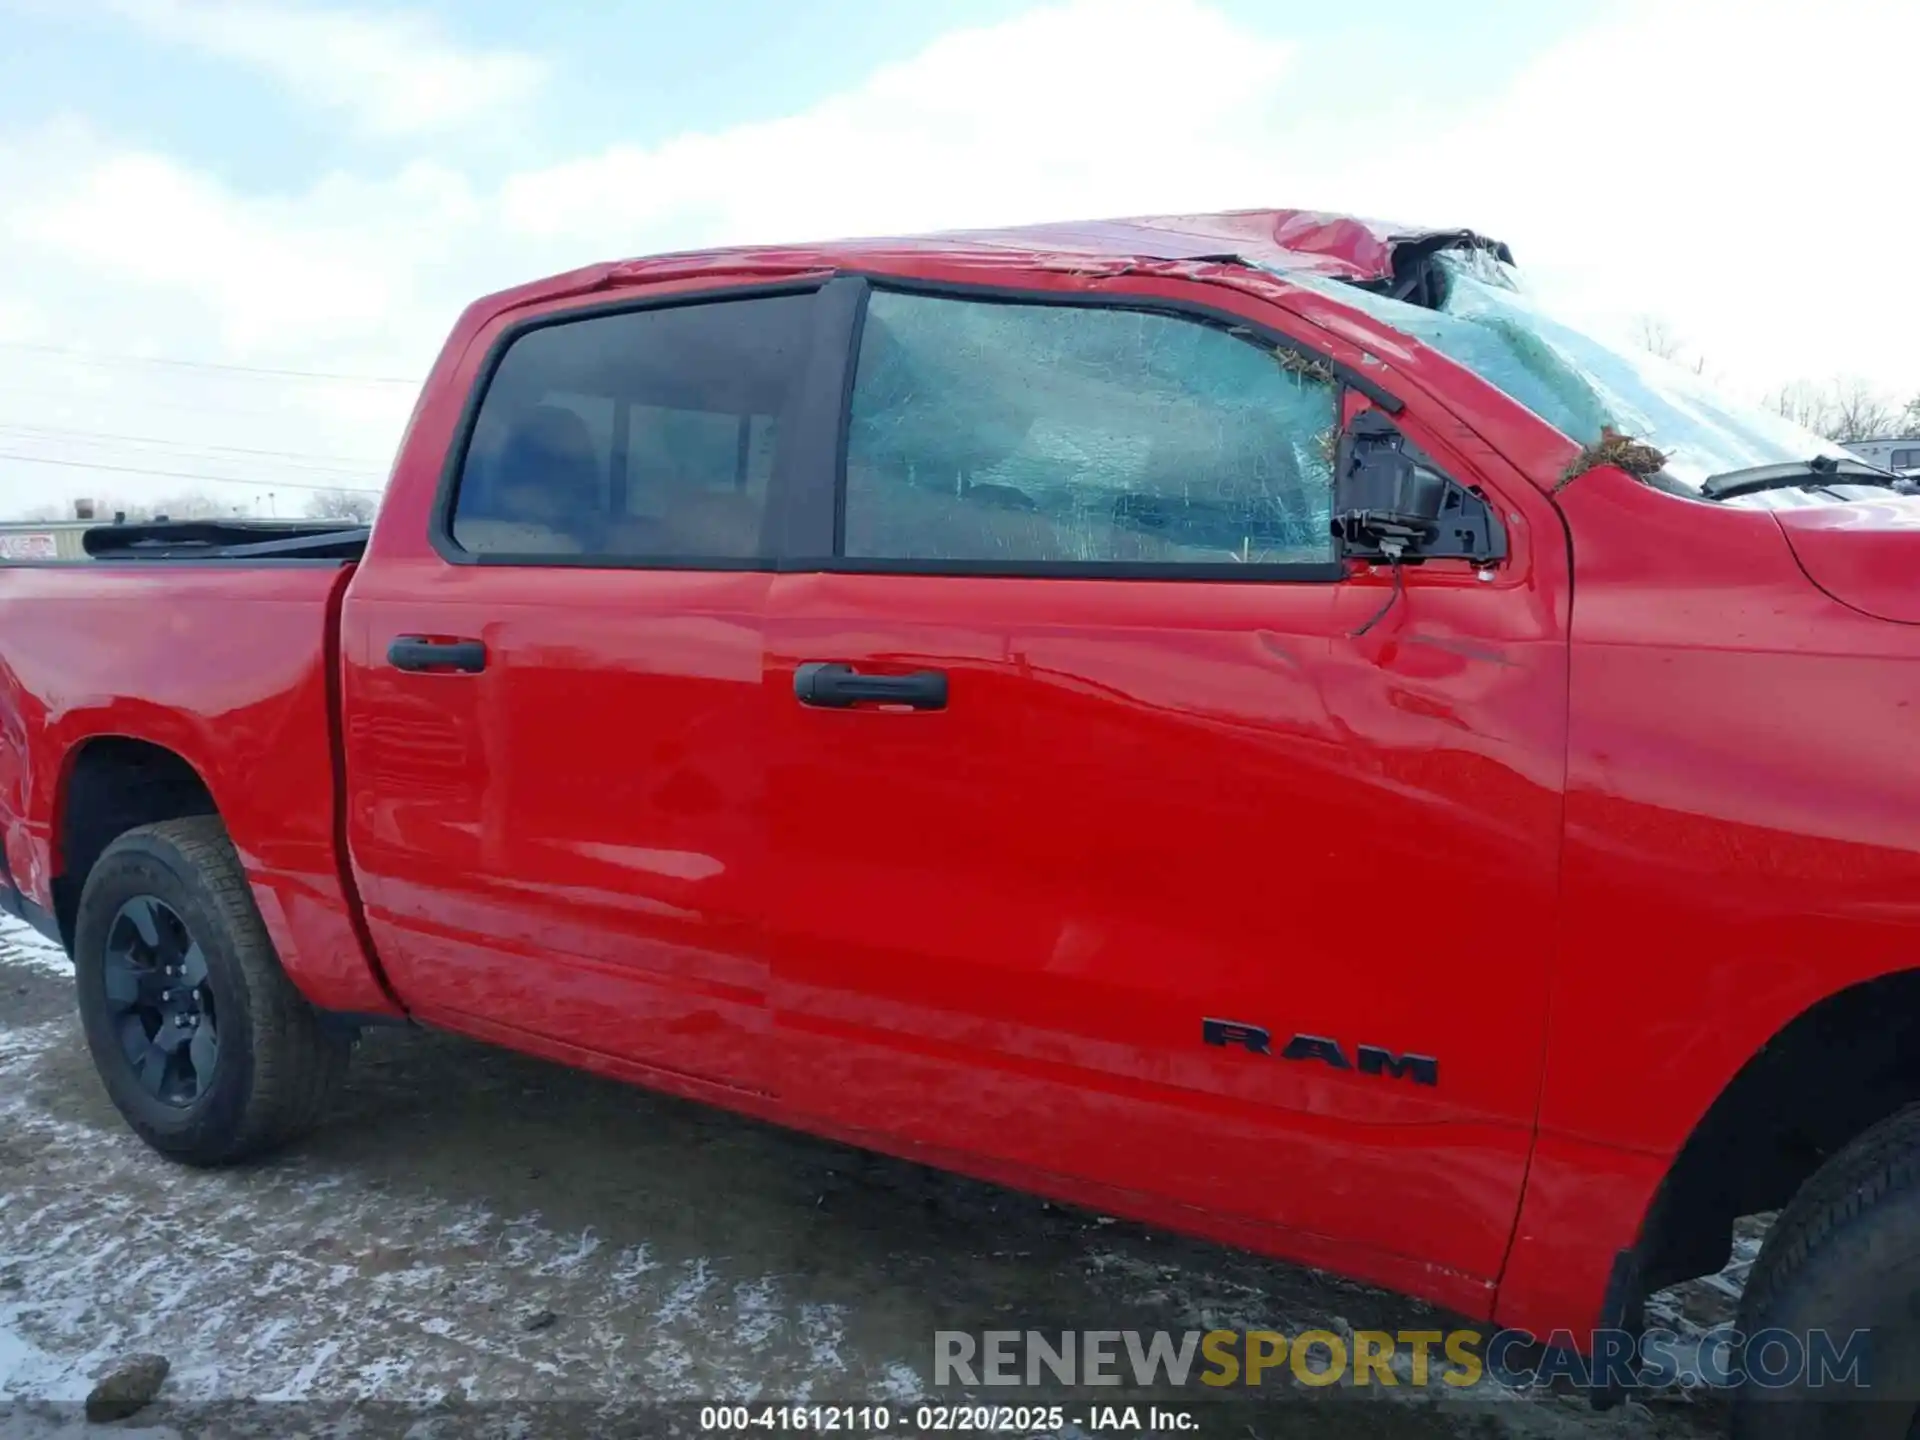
(231, 663)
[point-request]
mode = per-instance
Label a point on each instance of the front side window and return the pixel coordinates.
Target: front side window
(648, 435)
(993, 432)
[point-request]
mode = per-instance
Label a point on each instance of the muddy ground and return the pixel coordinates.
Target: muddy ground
(478, 1242)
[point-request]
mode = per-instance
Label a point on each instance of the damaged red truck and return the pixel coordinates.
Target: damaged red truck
(1242, 721)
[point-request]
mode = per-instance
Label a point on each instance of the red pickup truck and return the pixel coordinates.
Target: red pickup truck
(1244, 721)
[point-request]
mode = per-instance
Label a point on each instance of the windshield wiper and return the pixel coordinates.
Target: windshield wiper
(1819, 473)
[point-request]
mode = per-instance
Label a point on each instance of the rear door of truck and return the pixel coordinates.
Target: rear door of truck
(556, 748)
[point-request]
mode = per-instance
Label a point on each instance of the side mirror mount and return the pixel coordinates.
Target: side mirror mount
(1392, 503)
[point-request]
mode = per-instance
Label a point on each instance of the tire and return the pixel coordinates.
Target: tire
(168, 943)
(1844, 1256)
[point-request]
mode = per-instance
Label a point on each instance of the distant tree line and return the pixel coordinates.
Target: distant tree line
(1846, 410)
(1842, 410)
(356, 506)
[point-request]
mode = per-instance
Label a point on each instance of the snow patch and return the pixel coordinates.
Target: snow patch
(18, 1048)
(824, 1329)
(681, 1300)
(759, 1306)
(300, 1386)
(26, 948)
(899, 1384)
(570, 1262)
(320, 1286)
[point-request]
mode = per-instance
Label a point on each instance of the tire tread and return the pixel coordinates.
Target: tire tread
(1827, 1230)
(297, 1063)
(1881, 1163)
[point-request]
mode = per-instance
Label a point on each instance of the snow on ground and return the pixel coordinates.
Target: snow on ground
(26, 948)
(480, 1231)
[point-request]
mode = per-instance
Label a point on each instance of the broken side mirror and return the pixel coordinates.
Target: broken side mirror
(1392, 503)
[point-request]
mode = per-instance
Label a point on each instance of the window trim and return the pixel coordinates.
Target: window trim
(777, 517)
(1304, 571)
(1214, 571)
(806, 499)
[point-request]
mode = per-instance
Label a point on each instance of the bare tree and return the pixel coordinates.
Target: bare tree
(1842, 410)
(181, 505)
(355, 505)
(1807, 406)
(1861, 414)
(1656, 337)
(103, 511)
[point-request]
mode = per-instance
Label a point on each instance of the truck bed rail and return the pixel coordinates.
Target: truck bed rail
(225, 540)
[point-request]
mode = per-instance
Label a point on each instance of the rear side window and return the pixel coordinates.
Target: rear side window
(998, 432)
(647, 436)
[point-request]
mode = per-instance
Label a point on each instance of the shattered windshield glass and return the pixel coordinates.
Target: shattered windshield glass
(1579, 384)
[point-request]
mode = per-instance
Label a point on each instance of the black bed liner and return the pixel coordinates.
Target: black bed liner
(225, 540)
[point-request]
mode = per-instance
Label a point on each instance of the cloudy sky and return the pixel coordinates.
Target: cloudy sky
(234, 232)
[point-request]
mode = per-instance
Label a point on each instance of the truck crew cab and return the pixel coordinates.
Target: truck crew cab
(1243, 721)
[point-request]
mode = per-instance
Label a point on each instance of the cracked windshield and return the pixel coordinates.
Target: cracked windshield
(1491, 324)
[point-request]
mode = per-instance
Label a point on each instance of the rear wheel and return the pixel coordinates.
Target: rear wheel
(1843, 1258)
(203, 1044)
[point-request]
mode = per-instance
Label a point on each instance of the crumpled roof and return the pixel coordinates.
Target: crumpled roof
(1342, 247)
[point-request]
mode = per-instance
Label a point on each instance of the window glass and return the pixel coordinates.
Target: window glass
(649, 435)
(999, 432)
(1581, 385)
(1905, 460)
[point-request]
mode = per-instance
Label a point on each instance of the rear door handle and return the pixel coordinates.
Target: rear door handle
(832, 685)
(410, 652)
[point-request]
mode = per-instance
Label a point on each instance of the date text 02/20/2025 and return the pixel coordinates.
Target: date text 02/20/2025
(926, 1419)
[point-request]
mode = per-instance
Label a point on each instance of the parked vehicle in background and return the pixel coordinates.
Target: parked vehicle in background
(1901, 454)
(1223, 719)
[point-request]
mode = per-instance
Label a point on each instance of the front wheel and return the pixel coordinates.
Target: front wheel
(203, 1044)
(1838, 1281)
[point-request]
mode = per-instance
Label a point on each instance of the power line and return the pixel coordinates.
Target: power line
(91, 435)
(113, 394)
(189, 475)
(175, 454)
(94, 400)
(95, 357)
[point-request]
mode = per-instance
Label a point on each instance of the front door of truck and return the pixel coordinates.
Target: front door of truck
(556, 758)
(1110, 841)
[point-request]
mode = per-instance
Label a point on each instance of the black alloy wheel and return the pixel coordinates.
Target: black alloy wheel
(159, 1002)
(205, 1046)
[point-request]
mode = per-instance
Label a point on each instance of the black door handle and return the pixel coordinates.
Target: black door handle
(412, 653)
(835, 686)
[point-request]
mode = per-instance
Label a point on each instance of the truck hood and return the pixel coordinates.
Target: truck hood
(1865, 554)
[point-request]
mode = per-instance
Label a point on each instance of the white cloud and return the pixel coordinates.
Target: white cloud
(1719, 166)
(389, 73)
(280, 274)
(1089, 105)
(1736, 169)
